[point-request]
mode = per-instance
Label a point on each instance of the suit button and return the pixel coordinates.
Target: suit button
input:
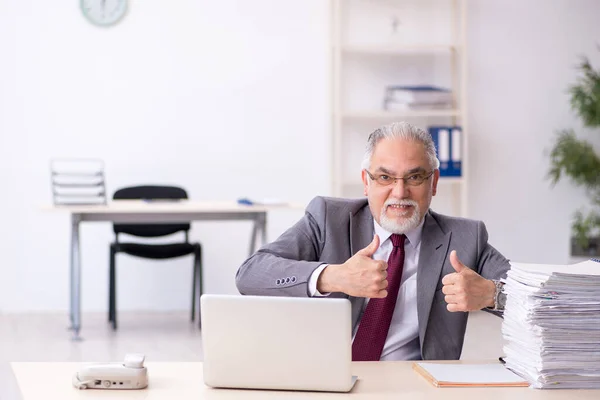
(293, 279)
(287, 280)
(278, 282)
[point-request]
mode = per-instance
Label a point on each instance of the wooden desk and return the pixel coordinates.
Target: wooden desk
(377, 380)
(137, 211)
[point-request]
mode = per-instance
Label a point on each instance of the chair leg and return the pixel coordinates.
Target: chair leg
(111, 274)
(200, 284)
(194, 277)
(196, 284)
(113, 290)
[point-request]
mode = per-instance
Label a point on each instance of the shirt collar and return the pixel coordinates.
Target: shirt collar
(413, 236)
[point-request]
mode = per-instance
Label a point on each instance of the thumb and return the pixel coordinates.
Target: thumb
(371, 248)
(456, 264)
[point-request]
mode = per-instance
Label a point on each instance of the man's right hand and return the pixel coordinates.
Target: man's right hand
(359, 276)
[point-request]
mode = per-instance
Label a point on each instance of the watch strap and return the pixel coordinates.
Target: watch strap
(499, 296)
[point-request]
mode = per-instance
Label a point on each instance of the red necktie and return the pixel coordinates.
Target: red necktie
(375, 323)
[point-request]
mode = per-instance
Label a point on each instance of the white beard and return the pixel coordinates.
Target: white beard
(400, 226)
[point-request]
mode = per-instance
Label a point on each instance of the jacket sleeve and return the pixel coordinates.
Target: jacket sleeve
(283, 267)
(491, 263)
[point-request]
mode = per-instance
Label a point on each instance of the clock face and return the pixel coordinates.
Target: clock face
(104, 12)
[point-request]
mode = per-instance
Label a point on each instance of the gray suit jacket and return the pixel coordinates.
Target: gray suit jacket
(333, 230)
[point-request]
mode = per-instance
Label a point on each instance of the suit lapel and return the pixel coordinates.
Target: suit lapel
(361, 234)
(361, 230)
(434, 247)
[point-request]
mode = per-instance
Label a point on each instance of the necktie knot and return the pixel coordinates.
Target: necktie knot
(398, 240)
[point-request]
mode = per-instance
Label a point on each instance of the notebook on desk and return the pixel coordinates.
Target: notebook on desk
(464, 375)
(282, 343)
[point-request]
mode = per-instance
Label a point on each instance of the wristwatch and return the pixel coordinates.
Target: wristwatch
(499, 296)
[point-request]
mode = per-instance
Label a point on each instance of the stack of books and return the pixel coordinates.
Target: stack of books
(552, 324)
(402, 98)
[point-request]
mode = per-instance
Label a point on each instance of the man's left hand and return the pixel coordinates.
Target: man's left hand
(465, 289)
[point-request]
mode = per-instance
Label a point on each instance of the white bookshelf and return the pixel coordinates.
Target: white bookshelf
(382, 114)
(397, 49)
(376, 43)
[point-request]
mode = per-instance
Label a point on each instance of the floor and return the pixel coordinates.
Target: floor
(160, 336)
(44, 337)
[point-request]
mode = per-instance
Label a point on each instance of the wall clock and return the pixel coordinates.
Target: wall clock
(104, 12)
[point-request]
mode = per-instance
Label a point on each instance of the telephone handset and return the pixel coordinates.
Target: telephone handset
(130, 374)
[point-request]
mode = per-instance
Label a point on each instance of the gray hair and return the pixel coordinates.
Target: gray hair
(401, 130)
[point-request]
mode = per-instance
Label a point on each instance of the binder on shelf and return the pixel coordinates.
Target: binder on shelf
(456, 152)
(448, 144)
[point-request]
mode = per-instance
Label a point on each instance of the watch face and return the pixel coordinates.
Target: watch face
(104, 12)
(502, 300)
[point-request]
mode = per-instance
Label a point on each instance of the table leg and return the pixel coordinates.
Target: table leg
(263, 228)
(75, 279)
(255, 227)
(260, 224)
(71, 269)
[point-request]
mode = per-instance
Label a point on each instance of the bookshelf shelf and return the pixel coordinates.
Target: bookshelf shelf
(376, 45)
(401, 49)
(377, 114)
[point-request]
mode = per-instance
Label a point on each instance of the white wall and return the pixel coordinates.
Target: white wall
(522, 59)
(189, 92)
(227, 98)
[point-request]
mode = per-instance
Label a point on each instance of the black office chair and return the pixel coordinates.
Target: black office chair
(152, 251)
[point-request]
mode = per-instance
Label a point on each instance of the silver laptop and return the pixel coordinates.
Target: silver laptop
(283, 343)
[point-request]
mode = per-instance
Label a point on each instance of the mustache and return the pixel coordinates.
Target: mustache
(405, 202)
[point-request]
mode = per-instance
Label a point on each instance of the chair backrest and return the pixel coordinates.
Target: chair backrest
(150, 192)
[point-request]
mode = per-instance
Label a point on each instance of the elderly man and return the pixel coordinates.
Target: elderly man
(411, 274)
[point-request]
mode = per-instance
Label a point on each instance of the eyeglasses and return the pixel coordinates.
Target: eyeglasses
(411, 180)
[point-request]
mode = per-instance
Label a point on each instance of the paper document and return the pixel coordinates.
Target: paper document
(449, 375)
(551, 324)
(589, 267)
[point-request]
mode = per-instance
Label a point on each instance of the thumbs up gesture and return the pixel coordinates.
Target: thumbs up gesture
(359, 276)
(370, 249)
(465, 289)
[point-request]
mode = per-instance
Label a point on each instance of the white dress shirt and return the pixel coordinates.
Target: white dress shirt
(402, 341)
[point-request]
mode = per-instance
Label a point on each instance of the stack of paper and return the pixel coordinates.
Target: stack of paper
(552, 324)
(400, 98)
(78, 181)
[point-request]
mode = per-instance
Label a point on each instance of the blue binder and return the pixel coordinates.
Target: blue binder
(448, 145)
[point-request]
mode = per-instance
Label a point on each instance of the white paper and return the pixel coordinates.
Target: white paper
(471, 373)
(552, 324)
(588, 267)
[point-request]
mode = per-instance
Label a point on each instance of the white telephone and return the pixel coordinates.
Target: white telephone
(130, 374)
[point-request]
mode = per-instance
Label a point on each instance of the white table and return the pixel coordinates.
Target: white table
(138, 211)
(181, 380)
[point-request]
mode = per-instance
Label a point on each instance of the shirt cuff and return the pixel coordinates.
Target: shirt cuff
(312, 282)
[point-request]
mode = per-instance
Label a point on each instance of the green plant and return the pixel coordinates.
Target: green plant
(575, 158)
